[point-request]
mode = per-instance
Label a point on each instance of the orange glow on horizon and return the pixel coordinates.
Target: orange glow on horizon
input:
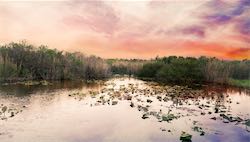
(115, 30)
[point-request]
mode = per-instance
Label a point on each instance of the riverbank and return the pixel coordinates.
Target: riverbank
(240, 83)
(232, 82)
(29, 83)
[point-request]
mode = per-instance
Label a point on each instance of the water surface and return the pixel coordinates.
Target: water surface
(102, 112)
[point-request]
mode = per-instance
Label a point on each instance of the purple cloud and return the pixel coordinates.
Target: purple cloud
(198, 31)
(223, 12)
(241, 7)
(244, 27)
(218, 18)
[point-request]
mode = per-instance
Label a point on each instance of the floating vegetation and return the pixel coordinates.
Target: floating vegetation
(114, 102)
(248, 123)
(185, 137)
(168, 117)
(199, 129)
(145, 116)
(152, 93)
(165, 105)
(9, 111)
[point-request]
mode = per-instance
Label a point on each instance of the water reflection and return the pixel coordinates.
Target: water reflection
(23, 90)
(75, 111)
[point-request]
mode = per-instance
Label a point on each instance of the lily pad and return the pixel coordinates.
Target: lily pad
(248, 122)
(114, 102)
(149, 101)
(227, 118)
(168, 117)
(185, 137)
(12, 114)
(144, 116)
(132, 104)
(199, 129)
(4, 109)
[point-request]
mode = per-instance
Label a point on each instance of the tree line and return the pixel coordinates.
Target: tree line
(23, 61)
(126, 66)
(195, 70)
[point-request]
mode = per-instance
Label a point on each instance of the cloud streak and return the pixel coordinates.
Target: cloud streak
(198, 31)
(95, 15)
(223, 13)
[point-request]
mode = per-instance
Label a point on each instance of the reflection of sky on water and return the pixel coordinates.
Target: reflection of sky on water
(51, 115)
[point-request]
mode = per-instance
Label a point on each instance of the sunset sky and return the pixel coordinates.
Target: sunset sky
(131, 29)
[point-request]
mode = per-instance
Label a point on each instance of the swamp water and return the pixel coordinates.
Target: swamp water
(123, 110)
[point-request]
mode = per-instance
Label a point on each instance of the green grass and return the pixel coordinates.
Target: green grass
(240, 83)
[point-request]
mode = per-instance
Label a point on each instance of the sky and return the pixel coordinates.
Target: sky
(131, 29)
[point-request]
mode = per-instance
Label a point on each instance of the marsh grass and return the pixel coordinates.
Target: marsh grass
(240, 83)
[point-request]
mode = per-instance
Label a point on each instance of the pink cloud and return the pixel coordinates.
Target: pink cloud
(198, 31)
(95, 15)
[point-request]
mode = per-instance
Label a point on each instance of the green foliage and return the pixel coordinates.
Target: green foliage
(150, 70)
(217, 71)
(122, 66)
(240, 83)
(195, 70)
(240, 69)
(8, 70)
(181, 70)
(25, 61)
(173, 69)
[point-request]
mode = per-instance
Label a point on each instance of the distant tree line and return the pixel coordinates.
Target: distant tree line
(195, 70)
(23, 61)
(125, 66)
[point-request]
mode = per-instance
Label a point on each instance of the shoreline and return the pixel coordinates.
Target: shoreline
(33, 82)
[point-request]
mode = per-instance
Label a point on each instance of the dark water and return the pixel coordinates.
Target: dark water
(78, 112)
